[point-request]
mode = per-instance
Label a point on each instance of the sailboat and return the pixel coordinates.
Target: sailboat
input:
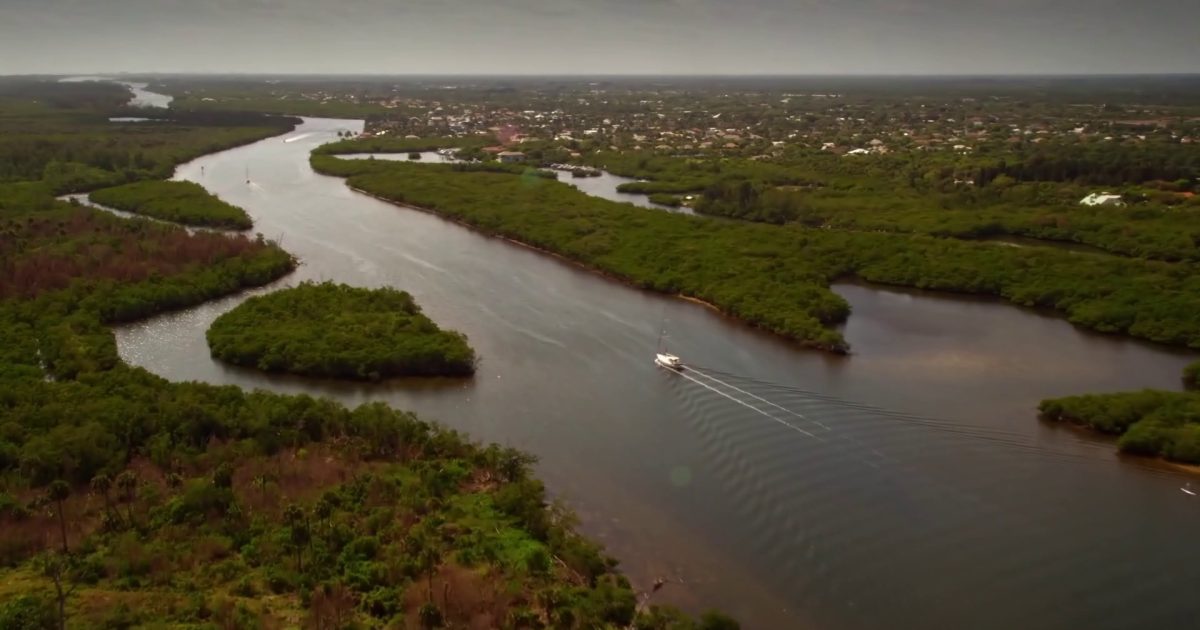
(1188, 489)
(665, 359)
(247, 174)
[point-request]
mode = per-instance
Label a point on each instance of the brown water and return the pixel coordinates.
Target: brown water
(906, 486)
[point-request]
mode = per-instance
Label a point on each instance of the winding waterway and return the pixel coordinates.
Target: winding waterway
(603, 185)
(906, 486)
(141, 96)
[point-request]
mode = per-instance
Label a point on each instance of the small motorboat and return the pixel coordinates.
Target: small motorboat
(669, 361)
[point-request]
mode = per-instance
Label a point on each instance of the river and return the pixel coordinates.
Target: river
(603, 185)
(141, 96)
(908, 485)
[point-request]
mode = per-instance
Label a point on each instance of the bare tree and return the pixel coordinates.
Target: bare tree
(127, 481)
(102, 485)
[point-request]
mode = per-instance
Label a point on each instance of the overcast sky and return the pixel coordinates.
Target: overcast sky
(600, 36)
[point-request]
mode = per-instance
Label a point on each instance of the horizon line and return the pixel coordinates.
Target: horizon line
(623, 75)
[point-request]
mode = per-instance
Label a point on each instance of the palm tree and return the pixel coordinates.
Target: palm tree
(102, 484)
(262, 481)
(298, 524)
(127, 481)
(58, 491)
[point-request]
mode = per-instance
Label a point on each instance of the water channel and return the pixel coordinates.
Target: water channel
(603, 185)
(906, 486)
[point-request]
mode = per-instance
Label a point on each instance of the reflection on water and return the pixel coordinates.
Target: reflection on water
(144, 98)
(426, 157)
(605, 186)
(906, 486)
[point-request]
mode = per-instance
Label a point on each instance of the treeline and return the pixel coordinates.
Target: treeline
(247, 509)
(1048, 212)
(677, 175)
(968, 197)
(751, 201)
(179, 202)
(333, 330)
(1141, 231)
(1155, 423)
(1106, 163)
(60, 133)
(82, 249)
(93, 95)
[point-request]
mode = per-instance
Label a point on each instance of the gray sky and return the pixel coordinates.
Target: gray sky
(600, 36)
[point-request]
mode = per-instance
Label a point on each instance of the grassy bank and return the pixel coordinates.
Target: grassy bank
(186, 203)
(337, 331)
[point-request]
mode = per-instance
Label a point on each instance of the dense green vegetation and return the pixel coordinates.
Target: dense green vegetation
(969, 198)
(180, 202)
(65, 271)
(130, 501)
(393, 144)
(193, 504)
(777, 278)
(338, 331)
(1150, 422)
(1191, 376)
(59, 133)
(1156, 423)
(666, 199)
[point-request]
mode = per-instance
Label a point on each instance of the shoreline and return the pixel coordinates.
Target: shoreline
(593, 270)
(1144, 461)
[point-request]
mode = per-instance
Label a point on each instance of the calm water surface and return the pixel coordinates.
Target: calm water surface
(141, 96)
(906, 486)
(603, 186)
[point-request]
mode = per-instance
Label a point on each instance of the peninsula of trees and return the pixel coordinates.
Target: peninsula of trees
(185, 203)
(337, 331)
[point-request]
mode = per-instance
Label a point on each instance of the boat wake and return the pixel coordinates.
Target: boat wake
(848, 423)
(744, 403)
